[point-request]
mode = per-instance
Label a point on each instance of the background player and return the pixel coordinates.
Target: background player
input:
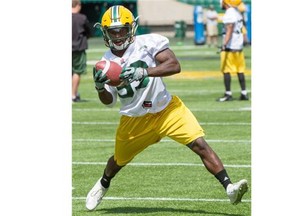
(80, 33)
(232, 56)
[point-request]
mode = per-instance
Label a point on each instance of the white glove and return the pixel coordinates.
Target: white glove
(131, 74)
(100, 79)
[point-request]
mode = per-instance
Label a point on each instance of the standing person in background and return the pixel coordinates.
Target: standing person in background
(211, 26)
(148, 111)
(232, 56)
(80, 33)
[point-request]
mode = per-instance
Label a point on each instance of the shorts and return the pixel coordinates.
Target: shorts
(79, 62)
(212, 30)
(232, 62)
(134, 134)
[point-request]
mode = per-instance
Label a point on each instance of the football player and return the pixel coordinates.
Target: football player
(232, 56)
(149, 112)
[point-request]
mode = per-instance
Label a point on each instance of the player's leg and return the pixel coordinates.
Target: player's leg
(215, 166)
(242, 82)
(209, 40)
(226, 68)
(209, 158)
(132, 137)
(215, 36)
(241, 66)
(99, 190)
(78, 68)
(110, 171)
(227, 84)
(75, 86)
(179, 123)
(209, 37)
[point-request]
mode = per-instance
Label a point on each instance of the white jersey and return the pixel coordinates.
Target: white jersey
(232, 15)
(150, 95)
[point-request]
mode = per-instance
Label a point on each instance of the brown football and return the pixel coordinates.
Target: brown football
(112, 71)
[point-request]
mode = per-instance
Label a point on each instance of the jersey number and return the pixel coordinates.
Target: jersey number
(129, 92)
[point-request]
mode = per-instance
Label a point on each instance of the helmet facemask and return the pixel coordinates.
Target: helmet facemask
(122, 35)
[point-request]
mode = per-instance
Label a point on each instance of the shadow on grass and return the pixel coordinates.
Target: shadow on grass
(125, 210)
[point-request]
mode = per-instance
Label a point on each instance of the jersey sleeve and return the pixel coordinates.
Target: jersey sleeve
(229, 17)
(157, 43)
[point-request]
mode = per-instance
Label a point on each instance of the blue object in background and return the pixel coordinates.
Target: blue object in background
(247, 18)
(199, 36)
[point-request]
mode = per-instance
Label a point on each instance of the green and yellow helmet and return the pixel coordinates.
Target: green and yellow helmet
(118, 26)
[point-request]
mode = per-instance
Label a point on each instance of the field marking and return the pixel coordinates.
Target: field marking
(162, 199)
(202, 123)
(209, 141)
(193, 48)
(161, 164)
(180, 48)
(193, 110)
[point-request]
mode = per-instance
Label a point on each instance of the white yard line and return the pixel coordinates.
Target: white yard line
(162, 199)
(160, 164)
(193, 110)
(209, 141)
(202, 123)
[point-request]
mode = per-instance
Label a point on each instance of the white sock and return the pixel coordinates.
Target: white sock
(228, 92)
(244, 92)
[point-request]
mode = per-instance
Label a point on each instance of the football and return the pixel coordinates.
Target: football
(112, 71)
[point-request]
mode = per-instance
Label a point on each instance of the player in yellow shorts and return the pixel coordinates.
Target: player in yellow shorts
(232, 62)
(135, 134)
(149, 112)
(232, 56)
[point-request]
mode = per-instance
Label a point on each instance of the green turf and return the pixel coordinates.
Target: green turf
(228, 131)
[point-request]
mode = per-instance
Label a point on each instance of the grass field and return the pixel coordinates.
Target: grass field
(167, 178)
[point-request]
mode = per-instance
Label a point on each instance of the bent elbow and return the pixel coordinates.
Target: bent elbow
(177, 67)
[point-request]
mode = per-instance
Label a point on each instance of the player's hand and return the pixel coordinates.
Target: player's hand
(130, 74)
(221, 49)
(100, 79)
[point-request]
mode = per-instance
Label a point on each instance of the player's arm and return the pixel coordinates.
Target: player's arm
(105, 97)
(228, 33)
(100, 80)
(167, 64)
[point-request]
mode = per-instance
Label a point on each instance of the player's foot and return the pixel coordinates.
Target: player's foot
(226, 97)
(236, 191)
(76, 98)
(95, 195)
(244, 97)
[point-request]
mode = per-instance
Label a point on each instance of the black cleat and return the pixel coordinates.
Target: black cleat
(226, 97)
(244, 97)
(77, 98)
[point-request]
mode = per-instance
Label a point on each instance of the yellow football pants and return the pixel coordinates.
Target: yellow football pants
(134, 134)
(232, 62)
